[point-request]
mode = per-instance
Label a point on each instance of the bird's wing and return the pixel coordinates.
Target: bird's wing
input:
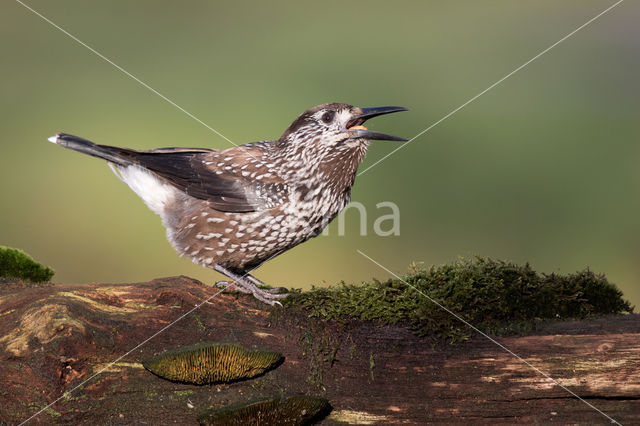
(234, 180)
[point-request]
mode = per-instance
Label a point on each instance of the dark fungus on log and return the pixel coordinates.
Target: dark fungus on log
(295, 410)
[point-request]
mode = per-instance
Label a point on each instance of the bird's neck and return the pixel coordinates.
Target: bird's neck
(339, 170)
(333, 169)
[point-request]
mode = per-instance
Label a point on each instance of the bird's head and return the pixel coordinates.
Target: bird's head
(337, 125)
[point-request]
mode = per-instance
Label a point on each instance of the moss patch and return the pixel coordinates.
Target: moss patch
(15, 263)
(495, 296)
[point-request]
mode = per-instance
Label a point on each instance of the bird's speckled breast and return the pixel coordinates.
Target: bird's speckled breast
(241, 241)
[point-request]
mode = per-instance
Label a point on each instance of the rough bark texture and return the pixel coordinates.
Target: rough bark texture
(54, 338)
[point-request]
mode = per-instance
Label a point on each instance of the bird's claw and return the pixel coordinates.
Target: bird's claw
(277, 290)
(231, 286)
(268, 296)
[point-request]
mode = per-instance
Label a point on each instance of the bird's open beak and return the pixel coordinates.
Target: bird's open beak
(357, 130)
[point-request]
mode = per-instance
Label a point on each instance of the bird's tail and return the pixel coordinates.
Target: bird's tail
(119, 156)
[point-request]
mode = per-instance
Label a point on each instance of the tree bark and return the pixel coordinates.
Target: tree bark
(65, 338)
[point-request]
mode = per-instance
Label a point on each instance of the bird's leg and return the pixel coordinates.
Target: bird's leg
(258, 282)
(231, 286)
(247, 286)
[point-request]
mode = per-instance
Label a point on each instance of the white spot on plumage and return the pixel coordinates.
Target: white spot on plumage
(208, 236)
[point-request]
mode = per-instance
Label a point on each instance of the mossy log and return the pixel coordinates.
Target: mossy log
(54, 337)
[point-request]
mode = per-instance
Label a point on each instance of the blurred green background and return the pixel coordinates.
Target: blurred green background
(541, 169)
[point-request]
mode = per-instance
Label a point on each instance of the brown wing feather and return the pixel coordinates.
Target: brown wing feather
(207, 176)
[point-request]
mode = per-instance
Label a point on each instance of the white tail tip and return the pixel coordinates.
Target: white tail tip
(53, 139)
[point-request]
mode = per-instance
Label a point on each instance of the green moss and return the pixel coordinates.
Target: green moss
(296, 410)
(183, 393)
(15, 263)
(50, 411)
(199, 323)
(212, 363)
(495, 296)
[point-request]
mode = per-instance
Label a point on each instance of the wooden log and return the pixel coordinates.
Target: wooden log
(61, 340)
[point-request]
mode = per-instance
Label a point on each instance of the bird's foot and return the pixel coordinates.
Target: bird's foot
(269, 296)
(231, 286)
(276, 290)
(266, 295)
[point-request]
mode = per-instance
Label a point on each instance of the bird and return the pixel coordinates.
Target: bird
(232, 210)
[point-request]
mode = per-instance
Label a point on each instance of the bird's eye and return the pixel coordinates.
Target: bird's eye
(327, 116)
